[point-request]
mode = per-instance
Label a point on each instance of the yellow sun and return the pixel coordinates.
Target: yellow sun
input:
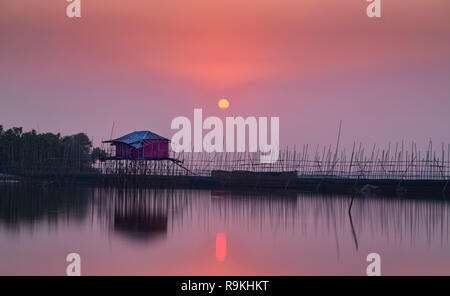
(223, 104)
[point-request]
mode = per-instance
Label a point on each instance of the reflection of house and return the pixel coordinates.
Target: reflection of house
(140, 145)
(141, 226)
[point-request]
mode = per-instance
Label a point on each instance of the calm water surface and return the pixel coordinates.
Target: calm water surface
(188, 232)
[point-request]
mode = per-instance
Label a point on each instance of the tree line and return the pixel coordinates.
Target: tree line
(45, 152)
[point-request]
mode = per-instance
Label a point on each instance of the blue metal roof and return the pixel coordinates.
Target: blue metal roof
(135, 139)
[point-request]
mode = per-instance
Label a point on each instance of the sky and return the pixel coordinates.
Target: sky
(141, 63)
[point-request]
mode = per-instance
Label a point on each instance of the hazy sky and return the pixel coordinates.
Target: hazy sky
(140, 63)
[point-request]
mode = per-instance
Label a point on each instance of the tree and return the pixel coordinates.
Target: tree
(98, 153)
(46, 152)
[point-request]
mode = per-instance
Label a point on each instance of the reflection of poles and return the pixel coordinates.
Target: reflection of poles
(351, 222)
(351, 204)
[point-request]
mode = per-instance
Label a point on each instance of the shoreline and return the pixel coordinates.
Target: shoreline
(242, 180)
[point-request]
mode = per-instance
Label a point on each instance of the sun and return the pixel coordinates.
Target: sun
(223, 104)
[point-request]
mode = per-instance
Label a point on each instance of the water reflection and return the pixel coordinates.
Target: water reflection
(137, 214)
(277, 226)
(143, 227)
(147, 213)
(221, 246)
(24, 206)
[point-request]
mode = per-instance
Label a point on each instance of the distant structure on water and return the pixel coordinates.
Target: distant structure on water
(140, 153)
(140, 145)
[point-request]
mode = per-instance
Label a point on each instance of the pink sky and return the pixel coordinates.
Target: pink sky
(140, 63)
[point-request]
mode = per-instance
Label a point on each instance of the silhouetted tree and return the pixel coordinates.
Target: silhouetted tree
(97, 153)
(21, 151)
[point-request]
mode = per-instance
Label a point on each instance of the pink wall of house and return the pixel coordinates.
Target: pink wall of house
(150, 149)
